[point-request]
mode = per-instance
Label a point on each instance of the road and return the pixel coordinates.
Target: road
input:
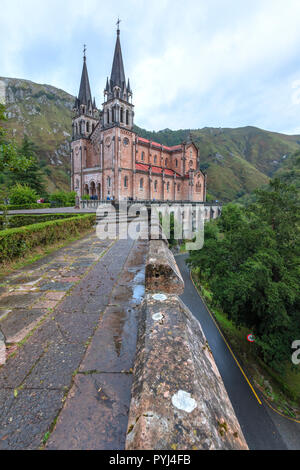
(263, 428)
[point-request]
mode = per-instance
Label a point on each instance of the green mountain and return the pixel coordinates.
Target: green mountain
(237, 161)
(43, 112)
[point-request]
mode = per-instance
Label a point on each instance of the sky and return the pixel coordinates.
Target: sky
(191, 63)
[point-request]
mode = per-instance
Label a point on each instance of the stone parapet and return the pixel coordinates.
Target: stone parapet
(178, 397)
(179, 400)
(162, 273)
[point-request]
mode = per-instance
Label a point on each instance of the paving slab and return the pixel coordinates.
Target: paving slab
(18, 320)
(56, 367)
(96, 414)
(19, 300)
(36, 378)
(75, 327)
(26, 420)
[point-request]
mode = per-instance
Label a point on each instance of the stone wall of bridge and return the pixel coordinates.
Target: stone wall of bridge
(178, 399)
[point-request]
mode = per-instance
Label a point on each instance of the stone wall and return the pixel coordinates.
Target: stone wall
(178, 400)
(162, 273)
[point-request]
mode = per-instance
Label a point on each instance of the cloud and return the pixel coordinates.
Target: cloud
(191, 64)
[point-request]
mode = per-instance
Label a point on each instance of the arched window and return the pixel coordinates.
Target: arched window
(108, 181)
(143, 156)
(141, 183)
(121, 114)
(93, 127)
(127, 117)
(77, 184)
(166, 162)
(125, 181)
(76, 128)
(88, 127)
(191, 163)
(155, 158)
(176, 163)
(168, 187)
(155, 185)
(108, 116)
(113, 115)
(178, 187)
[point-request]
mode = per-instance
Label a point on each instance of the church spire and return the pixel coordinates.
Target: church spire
(85, 95)
(117, 77)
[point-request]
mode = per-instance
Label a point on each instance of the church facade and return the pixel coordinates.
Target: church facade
(110, 161)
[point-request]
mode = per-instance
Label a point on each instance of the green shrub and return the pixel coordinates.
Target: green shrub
(63, 198)
(14, 207)
(17, 242)
(20, 220)
(22, 194)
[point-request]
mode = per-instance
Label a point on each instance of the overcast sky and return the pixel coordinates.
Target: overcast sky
(192, 63)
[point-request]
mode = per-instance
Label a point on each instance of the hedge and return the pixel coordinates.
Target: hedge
(17, 242)
(14, 207)
(19, 220)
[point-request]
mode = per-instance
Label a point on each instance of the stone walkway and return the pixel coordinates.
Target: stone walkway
(69, 321)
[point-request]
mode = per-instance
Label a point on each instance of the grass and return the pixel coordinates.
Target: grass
(283, 391)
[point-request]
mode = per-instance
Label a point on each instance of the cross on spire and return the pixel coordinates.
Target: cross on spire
(84, 51)
(118, 25)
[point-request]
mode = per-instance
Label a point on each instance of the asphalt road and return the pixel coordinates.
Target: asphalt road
(263, 428)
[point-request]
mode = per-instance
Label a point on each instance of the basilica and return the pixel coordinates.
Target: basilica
(110, 161)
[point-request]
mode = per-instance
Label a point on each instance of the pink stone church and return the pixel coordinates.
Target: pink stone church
(110, 161)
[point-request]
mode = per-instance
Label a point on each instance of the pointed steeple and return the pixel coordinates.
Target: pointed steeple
(84, 96)
(117, 77)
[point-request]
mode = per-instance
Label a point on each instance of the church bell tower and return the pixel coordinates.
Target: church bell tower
(117, 106)
(85, 117)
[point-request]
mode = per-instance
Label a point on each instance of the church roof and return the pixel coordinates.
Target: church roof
(156, 169)
(84, 96)
(117, 72)
(156, 144)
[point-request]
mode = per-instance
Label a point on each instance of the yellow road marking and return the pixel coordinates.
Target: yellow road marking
(278, 412)
(237, 362)
(265, 400)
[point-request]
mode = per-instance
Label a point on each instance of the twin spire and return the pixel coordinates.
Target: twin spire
(85, 95)
(117, 79)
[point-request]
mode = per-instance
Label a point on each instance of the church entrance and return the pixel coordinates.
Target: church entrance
(93, 189)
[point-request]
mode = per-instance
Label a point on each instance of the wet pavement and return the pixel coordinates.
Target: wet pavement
(70, 326)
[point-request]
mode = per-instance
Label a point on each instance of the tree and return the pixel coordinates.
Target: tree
(31, 176)
(10, 159)
(251, 262)
(22, 194)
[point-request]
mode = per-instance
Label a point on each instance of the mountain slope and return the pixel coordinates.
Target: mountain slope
(42, 112)
(236, 160)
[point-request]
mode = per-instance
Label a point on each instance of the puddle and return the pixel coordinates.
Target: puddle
(138, 290)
